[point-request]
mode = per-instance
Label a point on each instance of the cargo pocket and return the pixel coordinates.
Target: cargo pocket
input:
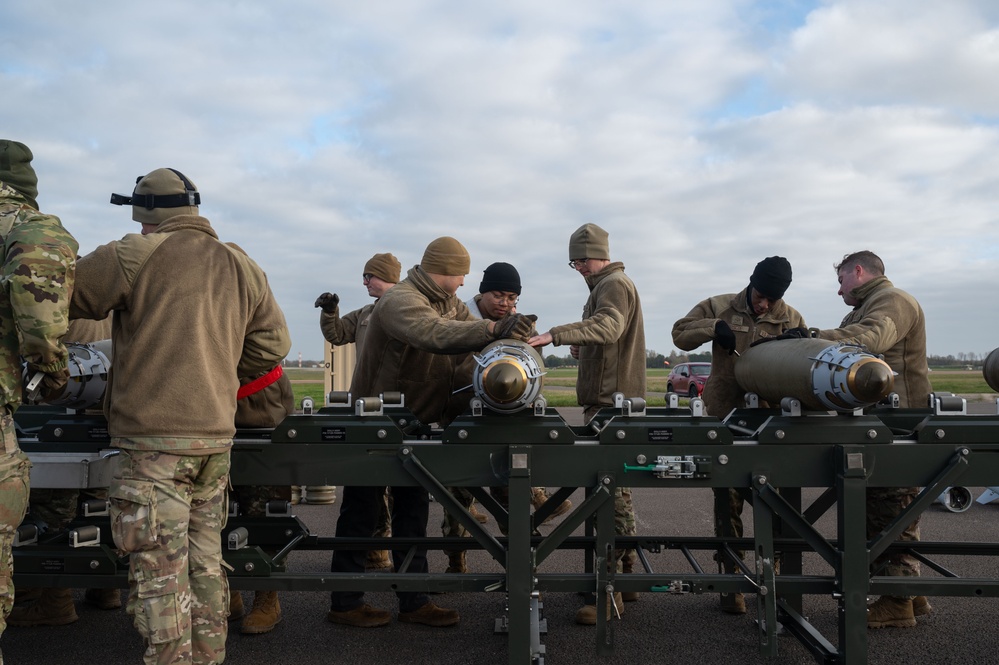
(159, 617)
(133, 523)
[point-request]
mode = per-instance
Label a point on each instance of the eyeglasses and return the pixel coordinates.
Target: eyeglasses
(576, 264)
(499, 296)
(367, 276)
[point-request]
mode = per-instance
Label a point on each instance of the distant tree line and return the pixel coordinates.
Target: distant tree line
(653, 359)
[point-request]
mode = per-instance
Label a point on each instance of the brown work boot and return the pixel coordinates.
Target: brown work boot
(53, 608)
(378, 560)
(236, 610)
(266, 614)
(921, 606)
(888, 612)
(27, 594)
(733, 603)
(105, 599)
(481, 517)
(628, 567)
(538, 498)
(456, 563)
(364, 616)
(431, 615)
(587, 614)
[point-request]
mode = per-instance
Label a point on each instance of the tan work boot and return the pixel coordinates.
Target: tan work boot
(628, 567)
(481, 517)
(587, 614)
(364, 616)
(538, 498)
(733, 603)
(378, 560)
(54, 607)
(456, 563)
(105, 599)
(266, 613)
(236, 610)
(431, 615)
(889, 612)
(27, 594)
(921, 606)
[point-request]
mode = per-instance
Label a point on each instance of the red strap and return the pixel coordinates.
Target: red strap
(259, 384)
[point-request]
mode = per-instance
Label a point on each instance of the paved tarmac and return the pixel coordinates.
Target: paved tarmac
(659, 628)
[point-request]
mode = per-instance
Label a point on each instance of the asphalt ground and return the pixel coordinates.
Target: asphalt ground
(660, 628)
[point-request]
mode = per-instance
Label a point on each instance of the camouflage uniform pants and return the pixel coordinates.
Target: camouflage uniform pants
(883, 505)
(53, 508)
(167, 513)
(253, 500)
(624, 525)
(450, 526)
(14, 469)
(728, 506)
(384, 528)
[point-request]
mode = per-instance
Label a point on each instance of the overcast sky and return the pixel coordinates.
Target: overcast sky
(704, 135)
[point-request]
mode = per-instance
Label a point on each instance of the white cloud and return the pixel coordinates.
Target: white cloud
(703, 135)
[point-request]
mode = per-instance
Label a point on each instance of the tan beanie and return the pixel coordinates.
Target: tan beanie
(589, 241)
(171, 191)
(383, 266)
(446, 256)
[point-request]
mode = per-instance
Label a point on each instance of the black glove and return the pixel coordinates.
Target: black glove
(515, 326)
(793, 333)
(725, 337)
(328, 301)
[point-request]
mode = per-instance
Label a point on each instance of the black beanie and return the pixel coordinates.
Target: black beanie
(771, 277)
(500, 277)
(16, 171)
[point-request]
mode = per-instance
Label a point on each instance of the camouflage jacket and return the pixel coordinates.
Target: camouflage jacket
(191, 315)
(39, 260)
(610, 337)
(889, 321)
(721, 392)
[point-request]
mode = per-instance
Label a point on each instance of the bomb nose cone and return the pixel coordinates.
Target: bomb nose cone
(872, 380)
(504, 381)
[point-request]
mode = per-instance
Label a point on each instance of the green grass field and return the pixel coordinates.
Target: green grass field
(309, 383)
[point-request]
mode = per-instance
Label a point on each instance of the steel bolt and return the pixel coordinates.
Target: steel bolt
(292, 433)
(57, 431)
(382, 434)
(872, 434)
(939, 434)
(712, 435)
(619, 434)
(553, 434)
(779, 434)
(723, 459)
(641, 459)
(761, 480)
(463, 434)
(94, 564)
(248, 567)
